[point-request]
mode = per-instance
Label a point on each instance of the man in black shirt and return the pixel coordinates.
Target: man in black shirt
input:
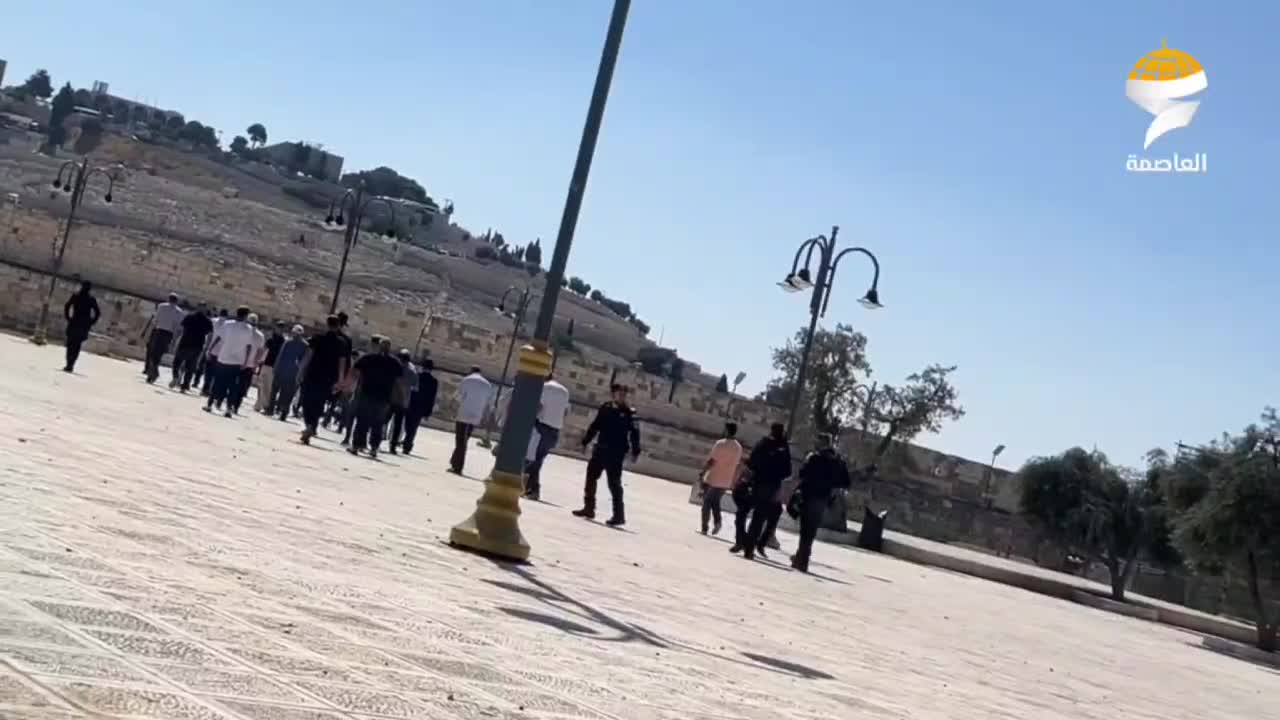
(266, 372)
(324, 363)
(421, 403)
(377, 374)
(769, 466)
(196, 327)
(822, 475)
(615, 426)
(82, 313)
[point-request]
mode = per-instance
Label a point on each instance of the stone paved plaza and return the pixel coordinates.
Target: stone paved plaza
(159, 562)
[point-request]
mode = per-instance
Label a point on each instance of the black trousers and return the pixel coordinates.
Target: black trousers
(811, 512)
(766, 511)
(461, 437)
(225, 380)
(412, 421)
(243, 383)
(184, 366)
(314, 398)
(157, 346)
(210, 372)
(371, 418)
(75, 340)
(283, 388)
(609, 465)
(395, 418)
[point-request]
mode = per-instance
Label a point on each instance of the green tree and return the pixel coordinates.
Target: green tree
(1226, 497)
(174, 122)
(924, 403)
(257, 134)
(63, 105)
(579, 286)
(722, 385)
(836, 362)
(39, 85)
(640, 325)
(239, 145)
(1104, 512)
(533, 253)
(389, 183)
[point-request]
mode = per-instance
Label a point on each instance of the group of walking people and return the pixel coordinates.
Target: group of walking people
(379, 395)
(761, 487)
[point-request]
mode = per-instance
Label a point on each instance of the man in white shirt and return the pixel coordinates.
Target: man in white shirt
(208, 363)
(474, 396)
(233, 348)
(256, 354)
(164, 326)
(551, 412)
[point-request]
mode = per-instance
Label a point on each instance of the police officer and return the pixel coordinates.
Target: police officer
(617, 433)
(822, 475)
(769, 465)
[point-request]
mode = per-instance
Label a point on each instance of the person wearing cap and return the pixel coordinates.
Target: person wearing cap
(400, 401)
(285, 381)
(616, 434)
(823, 475)
(266, 371)
(196, 327)
(164, 325)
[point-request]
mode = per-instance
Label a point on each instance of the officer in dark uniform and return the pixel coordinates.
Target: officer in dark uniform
(823, 474)
(769, 466)
(617, 433)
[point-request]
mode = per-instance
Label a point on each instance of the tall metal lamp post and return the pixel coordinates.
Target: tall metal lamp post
(522, 306)
(494, 527)
(991, 475)
(799, 280)
(73, 179)
(350, 210)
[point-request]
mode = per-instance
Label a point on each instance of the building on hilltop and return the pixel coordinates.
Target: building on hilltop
(305, 158)
(125, 111)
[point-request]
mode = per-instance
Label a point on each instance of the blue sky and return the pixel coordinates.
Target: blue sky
(978, 149)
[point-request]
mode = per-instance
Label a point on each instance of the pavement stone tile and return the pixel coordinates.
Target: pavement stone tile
(28, 631)
(89, 616)
(297, 665)
(19, 693)
(363, 700)
(155, 647)
(348, 559)
(267, 711)
(243, 684)
(136, 702)
(48, 661)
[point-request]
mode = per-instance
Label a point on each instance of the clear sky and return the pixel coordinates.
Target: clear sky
(977, 148)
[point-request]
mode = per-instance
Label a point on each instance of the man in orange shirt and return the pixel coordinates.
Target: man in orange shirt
(718, 474)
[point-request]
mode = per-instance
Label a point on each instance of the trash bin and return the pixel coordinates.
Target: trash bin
(872, 535)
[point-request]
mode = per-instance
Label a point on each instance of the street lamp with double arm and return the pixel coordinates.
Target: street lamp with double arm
(801, 278)
(73, 179)
(350, 210)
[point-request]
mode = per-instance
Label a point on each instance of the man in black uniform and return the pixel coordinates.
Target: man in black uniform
(324, 363)
(196, 327)
(822, 475)
(769, 465)
(615, 426)
(82, 313)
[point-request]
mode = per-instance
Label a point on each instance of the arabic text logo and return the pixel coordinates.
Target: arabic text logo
(1157, 82)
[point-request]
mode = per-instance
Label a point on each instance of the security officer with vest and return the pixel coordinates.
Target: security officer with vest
(823, 475)
(616, 434)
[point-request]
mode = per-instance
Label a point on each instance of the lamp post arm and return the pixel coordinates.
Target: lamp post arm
(835, 264)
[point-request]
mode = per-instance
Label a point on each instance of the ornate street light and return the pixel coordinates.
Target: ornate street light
(800, 279)
(73, 179)
(350, 210)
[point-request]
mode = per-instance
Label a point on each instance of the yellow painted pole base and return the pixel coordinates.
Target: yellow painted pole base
(494, 528)
(39, 338)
